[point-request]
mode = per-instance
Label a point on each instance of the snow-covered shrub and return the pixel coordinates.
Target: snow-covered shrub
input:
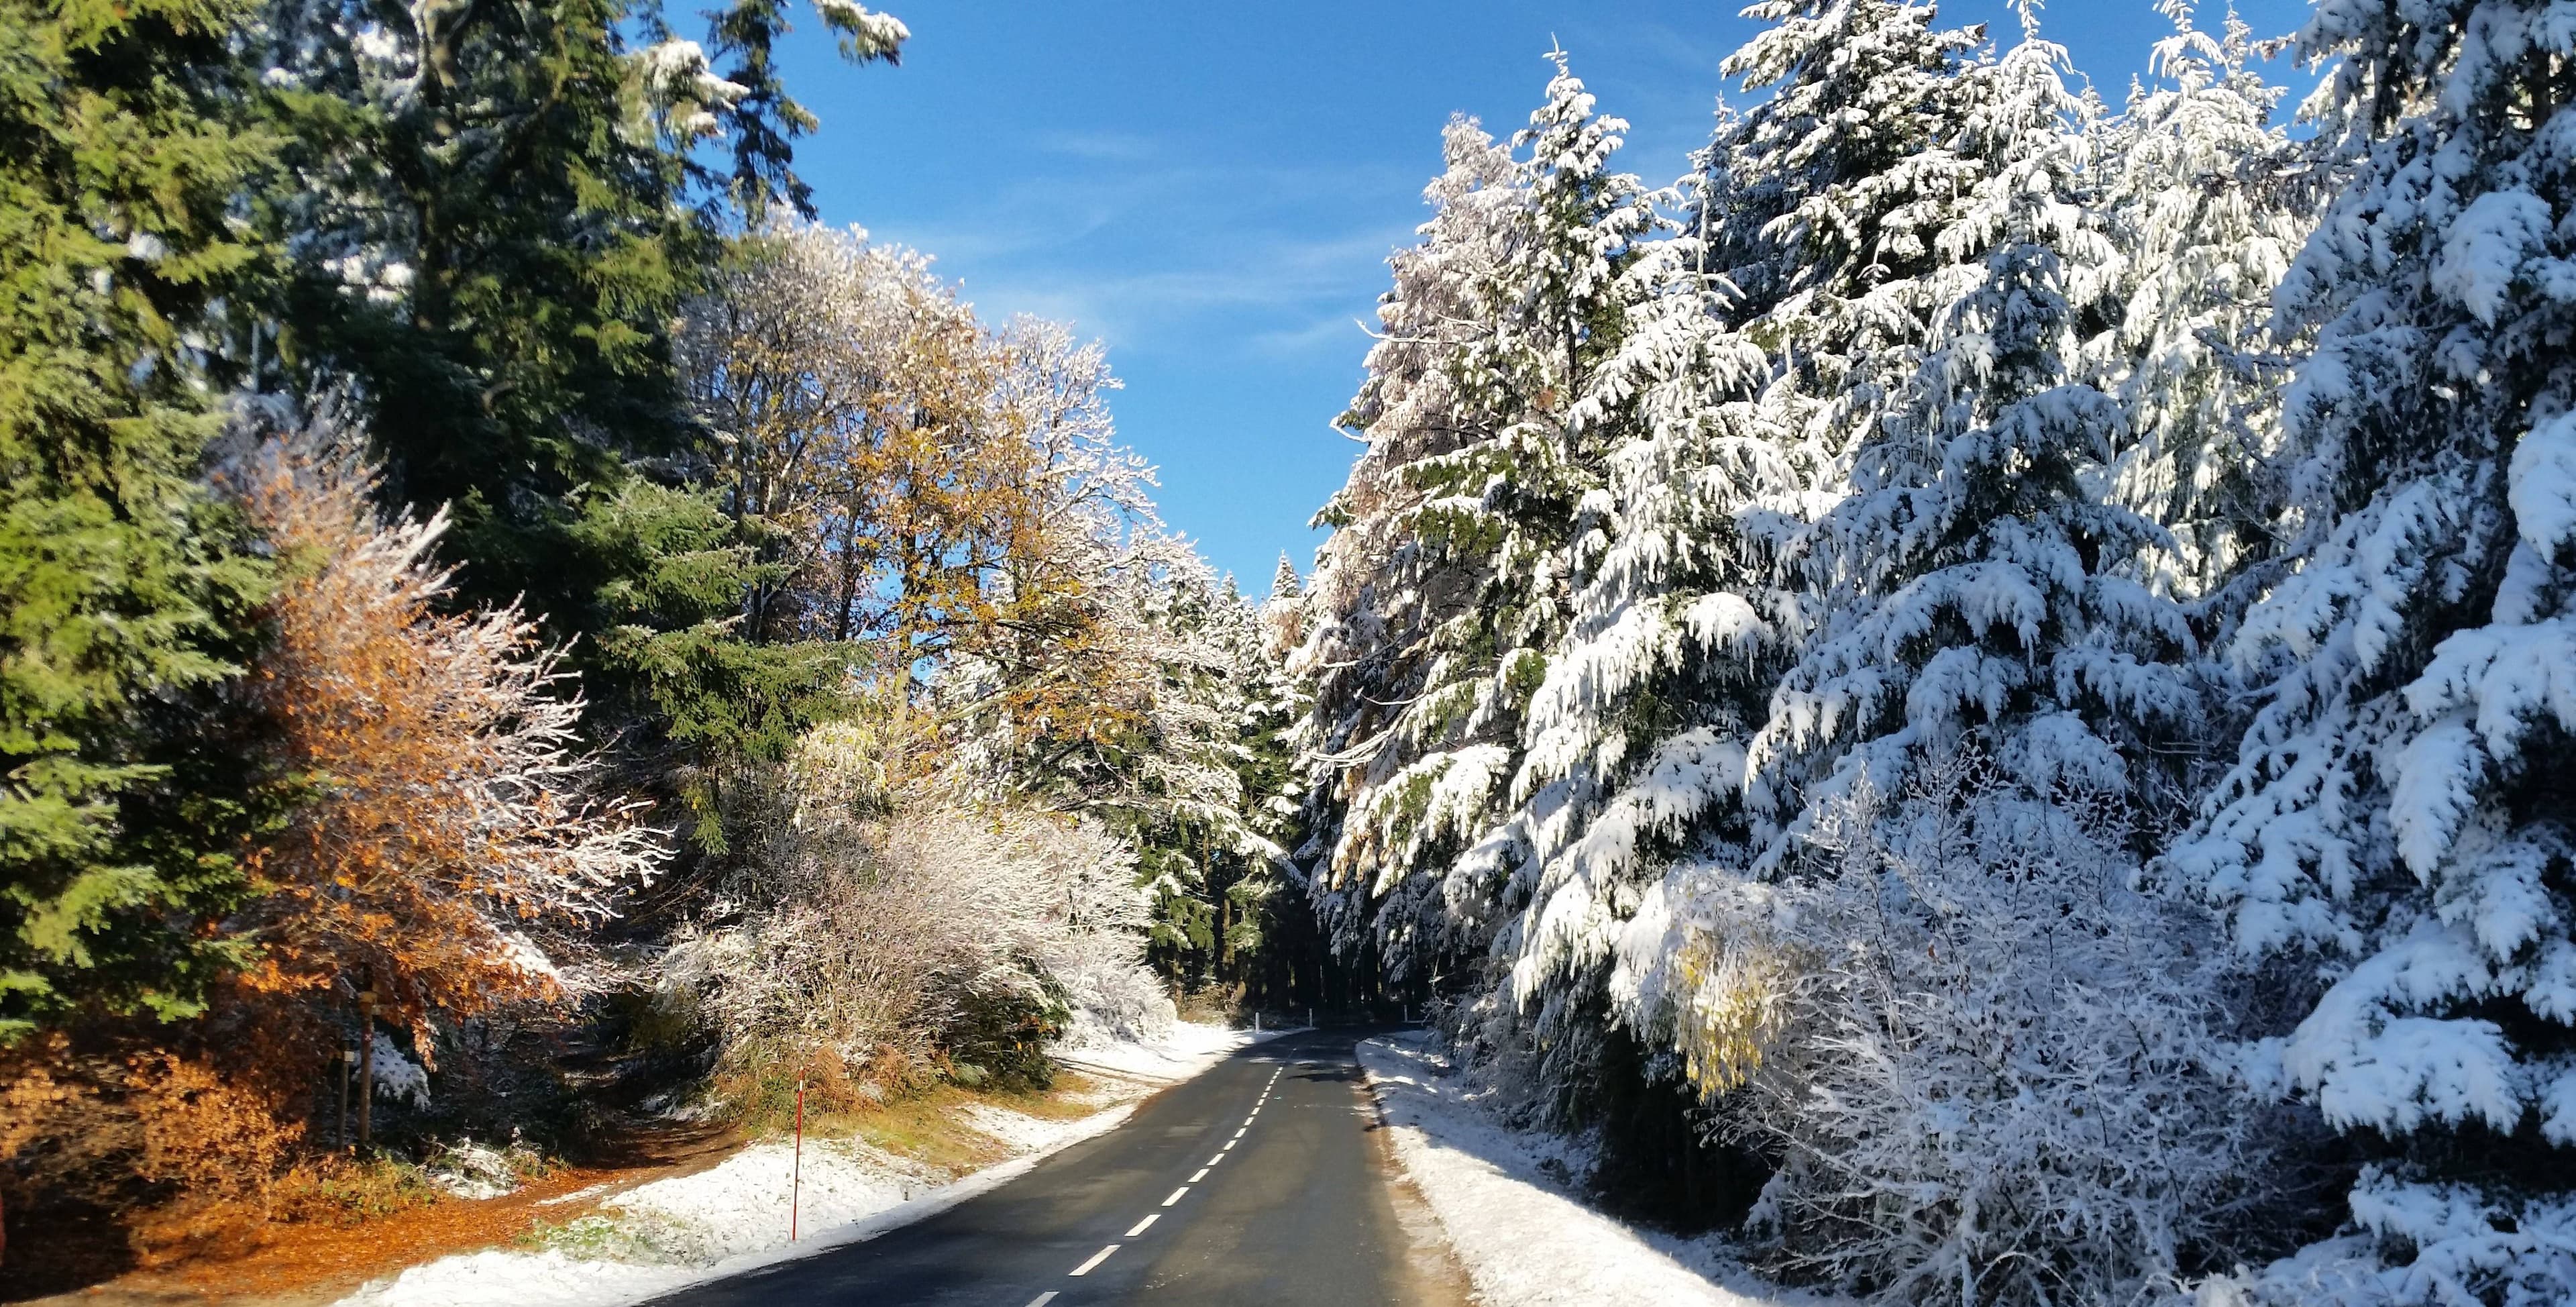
(889, 936)
(469, 1169)
(1989, 1069)
(398, 1078)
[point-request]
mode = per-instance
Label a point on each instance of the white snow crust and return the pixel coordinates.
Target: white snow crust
(1523, 1241)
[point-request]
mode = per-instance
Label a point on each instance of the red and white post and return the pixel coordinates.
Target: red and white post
(796, 1177)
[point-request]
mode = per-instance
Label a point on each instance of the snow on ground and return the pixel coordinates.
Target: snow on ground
(1023, 1133)
(731, 1218)
(1188, 1050)
(1524, 1242)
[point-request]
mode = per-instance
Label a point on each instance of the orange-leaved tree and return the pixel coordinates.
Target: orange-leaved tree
(451, 829)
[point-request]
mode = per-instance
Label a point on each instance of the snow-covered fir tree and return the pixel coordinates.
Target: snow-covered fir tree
(1633, 743)
(1387, 592)
(2205, 201)
(1435, 601)
(1970, 578)
(2396, 824)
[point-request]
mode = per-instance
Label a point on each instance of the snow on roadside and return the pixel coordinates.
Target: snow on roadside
(1022, 1133)
(1524, 1242)
(731, 1218)
(1188, 1050)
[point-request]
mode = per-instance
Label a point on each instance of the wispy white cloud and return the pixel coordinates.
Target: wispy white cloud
(1336, 333)
(1099, 145)
(1260, 254)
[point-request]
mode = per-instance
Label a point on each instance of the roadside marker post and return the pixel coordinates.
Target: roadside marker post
(366, 1067)
(796, 1175)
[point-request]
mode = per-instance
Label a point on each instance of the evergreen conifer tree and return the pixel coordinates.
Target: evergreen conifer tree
(1488, 426)
(123, 589)
(2205, 201)
(2396, 823)
(1971, 581)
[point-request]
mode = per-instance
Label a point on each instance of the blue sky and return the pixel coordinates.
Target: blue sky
(1213, 188)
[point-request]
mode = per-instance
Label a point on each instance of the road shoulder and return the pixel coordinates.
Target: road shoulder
(1523, 1239)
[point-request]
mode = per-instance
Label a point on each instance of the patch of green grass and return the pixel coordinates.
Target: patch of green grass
(346, 1192)
(927, 1126)
(593, 1238)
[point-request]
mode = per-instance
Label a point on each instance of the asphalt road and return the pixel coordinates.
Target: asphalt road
(1261, 1181)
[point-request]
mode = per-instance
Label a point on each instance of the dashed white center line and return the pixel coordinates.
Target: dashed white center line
(1202, 1174)
(1042, 1299)
(1150, 1218)
(1216, 1159)
(1230, 1143)
(1176, 1197)
(1237, 1135)
(1096, 1259)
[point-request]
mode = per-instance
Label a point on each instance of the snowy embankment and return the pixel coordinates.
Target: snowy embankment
(731, 1218)
(1523, 1240)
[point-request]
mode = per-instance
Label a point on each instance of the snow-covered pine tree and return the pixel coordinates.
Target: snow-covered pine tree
(1970, 579)
(1819, 198)
(2397, 822)
(1634, 741)
(1718, 415)
(1804, 212)
(1284, 585)
(2206, 201)
(1435, 602)
(1812, 211)
(1381, 590)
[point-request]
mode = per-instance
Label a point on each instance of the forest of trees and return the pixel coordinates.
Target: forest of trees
(1980, 690)
(1984, 684)
(486, 580)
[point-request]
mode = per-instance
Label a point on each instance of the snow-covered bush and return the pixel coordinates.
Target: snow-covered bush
(474, 1170)
(1989, 1069)
(888, 937)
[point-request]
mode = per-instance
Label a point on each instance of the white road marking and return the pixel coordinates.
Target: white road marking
(1237, 1135)
(1042, 1299)
(1193, 1180)
(1150, 1218)
(1096, 1259)
(1176, 1195)
(1230, 1143)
